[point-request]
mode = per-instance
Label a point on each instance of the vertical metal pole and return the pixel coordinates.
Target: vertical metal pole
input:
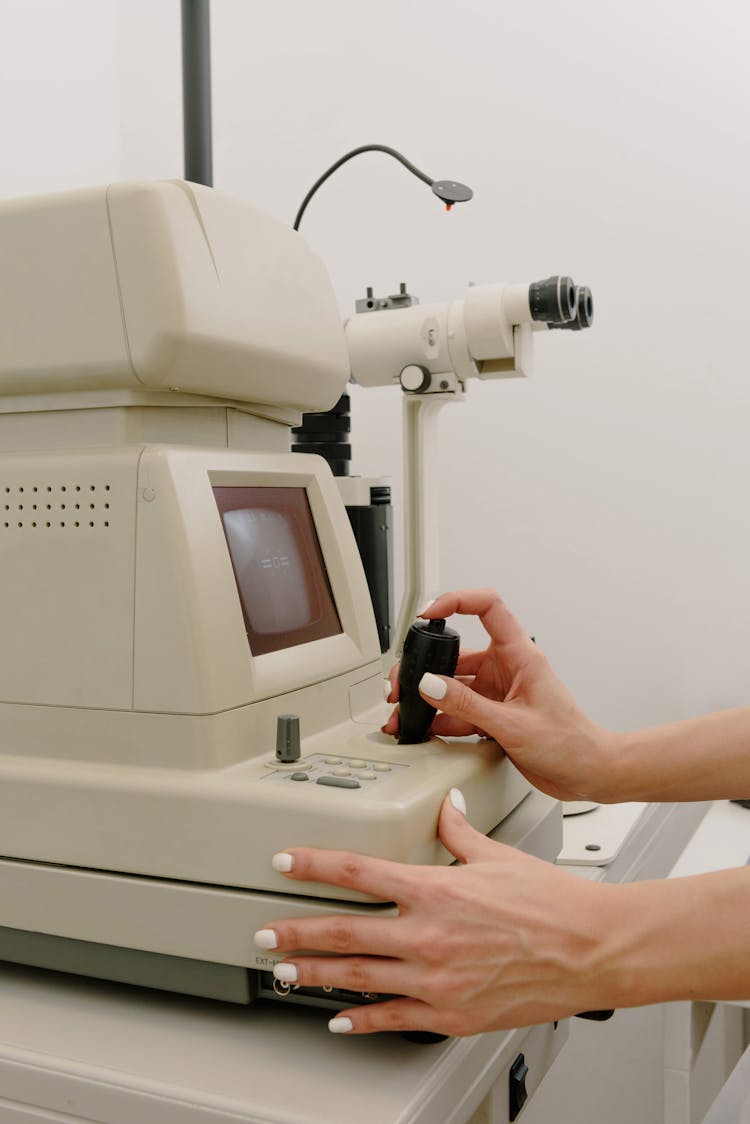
(196, 90)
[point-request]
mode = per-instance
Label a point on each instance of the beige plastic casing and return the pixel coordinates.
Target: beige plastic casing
(138, 730)
(152, 333)
(164, 287)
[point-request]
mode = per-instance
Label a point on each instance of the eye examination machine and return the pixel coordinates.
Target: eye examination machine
(190, 669)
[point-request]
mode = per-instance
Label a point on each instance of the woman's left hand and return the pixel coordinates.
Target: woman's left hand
(503, 940)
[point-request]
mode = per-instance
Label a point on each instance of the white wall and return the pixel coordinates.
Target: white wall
(59, 95)
(608, 498)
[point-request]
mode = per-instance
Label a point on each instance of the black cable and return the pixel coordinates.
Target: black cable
(449, 192)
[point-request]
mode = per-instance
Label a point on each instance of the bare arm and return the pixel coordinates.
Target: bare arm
(683, 938)
(705, 758)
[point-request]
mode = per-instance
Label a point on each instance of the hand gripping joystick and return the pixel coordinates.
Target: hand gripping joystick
(429, 646)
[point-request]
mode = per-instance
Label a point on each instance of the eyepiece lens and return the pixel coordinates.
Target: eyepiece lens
(581, 311)
(572, 303)
(553, 300)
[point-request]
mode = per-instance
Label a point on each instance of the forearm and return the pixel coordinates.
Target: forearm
(705, 758)
(679, 939)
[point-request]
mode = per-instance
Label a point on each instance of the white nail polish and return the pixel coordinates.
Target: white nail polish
(424, 608)
(340, 1025)
(282, 862)
(287, 973)
(433, 686)
(266, 938)
(387, 688)
(456, 798)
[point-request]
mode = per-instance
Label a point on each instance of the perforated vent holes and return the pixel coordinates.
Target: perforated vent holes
(75, 506)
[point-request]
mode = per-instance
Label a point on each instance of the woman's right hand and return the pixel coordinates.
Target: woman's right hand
(509, 692)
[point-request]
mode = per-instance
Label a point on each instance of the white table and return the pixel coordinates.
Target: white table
(82, 1050)
(703, 1041)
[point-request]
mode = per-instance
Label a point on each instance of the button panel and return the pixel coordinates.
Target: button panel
(331, 771)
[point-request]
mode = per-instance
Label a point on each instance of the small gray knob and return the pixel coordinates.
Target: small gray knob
(287, 738)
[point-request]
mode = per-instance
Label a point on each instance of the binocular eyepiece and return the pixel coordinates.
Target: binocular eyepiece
(559, 303)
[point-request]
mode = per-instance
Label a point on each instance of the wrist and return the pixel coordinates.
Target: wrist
(626, 959)
(674, 939)
(597, 977)
(606, 782)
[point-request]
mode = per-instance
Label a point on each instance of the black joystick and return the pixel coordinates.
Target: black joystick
(429, 646)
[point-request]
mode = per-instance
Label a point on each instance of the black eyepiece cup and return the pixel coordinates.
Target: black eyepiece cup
(554, 300)
(584, 317)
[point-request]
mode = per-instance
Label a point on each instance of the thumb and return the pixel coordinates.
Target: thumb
(459, 701)
(459, 837)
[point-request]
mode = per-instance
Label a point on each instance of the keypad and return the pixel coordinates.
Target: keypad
(332, 771)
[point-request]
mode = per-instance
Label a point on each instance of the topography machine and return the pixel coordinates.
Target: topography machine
(180, 593)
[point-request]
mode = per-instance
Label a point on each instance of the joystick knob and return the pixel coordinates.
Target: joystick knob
(287, 738)
(429, 646)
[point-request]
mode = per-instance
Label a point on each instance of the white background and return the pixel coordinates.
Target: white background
(608, 498)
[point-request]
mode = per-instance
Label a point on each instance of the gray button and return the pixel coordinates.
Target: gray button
(339, 782)
(300, 777)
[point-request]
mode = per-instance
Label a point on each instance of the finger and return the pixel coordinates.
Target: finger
(392, 686)
(396, 1014)
(470, 662)
(351, 973)
(447, 727)
(340, 933)
(392, 725)
(486, 604)
(460, 702)
(461, 839)
(380, 878)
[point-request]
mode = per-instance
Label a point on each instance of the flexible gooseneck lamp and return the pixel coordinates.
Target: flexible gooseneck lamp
(448, 190)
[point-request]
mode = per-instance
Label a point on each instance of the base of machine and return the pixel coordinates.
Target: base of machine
(184, 937)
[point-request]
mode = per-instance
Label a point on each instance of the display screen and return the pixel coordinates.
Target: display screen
(278, 565)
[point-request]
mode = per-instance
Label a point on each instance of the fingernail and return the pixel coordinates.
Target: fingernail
(433, 686)
(456, 798)
(340, 1025)
(424, 608)
(387, 688)
(287, 973)
(282, 862)
(266, 938)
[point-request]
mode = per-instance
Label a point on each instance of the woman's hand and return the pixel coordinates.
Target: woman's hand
(505, 940)
(510, 693)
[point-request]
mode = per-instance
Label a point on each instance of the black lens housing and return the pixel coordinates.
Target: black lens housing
(554, 300)
(584, 316)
